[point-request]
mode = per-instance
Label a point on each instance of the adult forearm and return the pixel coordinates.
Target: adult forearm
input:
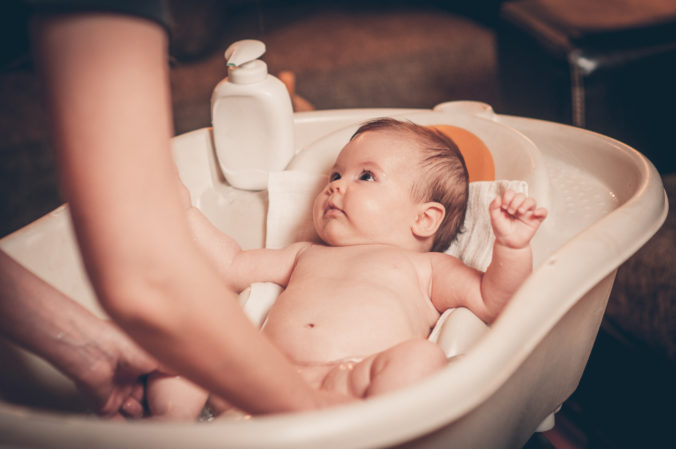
(36, 316)
(195, 326)
(107, 81)
(194, 340)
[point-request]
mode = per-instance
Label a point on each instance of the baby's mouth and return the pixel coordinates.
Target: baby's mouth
(333, 210)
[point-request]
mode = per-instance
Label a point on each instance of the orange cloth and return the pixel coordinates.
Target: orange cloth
(477, 157)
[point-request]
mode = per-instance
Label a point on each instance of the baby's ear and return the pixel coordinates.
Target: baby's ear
(428, 219)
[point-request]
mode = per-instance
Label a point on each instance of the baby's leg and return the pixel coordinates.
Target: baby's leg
(174, 397)
(403, 365)
(394, 368)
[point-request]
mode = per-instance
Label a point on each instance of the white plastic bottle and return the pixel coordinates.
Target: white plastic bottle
(252, 119)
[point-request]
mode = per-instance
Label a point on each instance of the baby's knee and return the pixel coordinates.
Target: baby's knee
(411, 359)
(424, 352)
(404, 364)
(174, 397)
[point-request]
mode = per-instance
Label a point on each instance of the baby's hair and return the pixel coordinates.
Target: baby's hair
(446, 181)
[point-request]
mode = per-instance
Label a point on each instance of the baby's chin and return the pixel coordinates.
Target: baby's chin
(333, 241)
(342, 239)
(347, 240)
(337, 233)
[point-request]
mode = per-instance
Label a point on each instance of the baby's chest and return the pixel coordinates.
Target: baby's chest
(360, 288)
(355, 262)
(378, 267)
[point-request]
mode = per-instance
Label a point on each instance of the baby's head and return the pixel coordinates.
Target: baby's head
(419, 164)
(442, 175)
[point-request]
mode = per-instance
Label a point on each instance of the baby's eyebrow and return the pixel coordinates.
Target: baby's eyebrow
(335, 168)
(371, 165)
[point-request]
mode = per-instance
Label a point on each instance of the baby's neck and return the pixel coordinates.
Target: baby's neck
(414, 247)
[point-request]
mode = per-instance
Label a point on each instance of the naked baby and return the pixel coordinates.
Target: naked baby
(358, 307)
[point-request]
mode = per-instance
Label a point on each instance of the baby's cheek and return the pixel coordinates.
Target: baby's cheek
(317, 210)
(378, 219)
(374, 208)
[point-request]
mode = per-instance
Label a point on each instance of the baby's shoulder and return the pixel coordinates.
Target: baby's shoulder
(442, 260)
(295, 250)
(310, 249)
(301, 246)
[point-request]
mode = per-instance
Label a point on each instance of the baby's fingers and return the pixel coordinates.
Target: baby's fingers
(512, 202)
(495, 209)
(540, 213)
(534, 217)
(132, 408)
(527, 205)
(495, 204)
(507, 198)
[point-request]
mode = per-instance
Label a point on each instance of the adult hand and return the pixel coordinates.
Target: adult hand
(102, 361)
(115, 380)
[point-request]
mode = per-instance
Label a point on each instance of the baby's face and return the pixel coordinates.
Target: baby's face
(368, 198)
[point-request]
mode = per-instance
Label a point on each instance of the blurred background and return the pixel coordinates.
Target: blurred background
(605, 65)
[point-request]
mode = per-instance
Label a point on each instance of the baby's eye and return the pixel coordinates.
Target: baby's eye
(366, 175)
(335, 176)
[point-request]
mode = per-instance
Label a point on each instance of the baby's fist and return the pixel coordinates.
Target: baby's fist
(515, 218)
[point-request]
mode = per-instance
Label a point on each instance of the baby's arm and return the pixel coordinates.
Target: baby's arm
(242, 268)
(515, 219)
(239, 268)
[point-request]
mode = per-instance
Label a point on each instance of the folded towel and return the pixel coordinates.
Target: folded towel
(290, 198)
(257, 300)
(474, 245)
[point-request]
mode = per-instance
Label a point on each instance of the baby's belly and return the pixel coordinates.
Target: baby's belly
(323, 323)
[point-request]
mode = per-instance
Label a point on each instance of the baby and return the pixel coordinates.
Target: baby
(357, 309)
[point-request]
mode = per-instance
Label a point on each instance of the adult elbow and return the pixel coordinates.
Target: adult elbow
(134, 299)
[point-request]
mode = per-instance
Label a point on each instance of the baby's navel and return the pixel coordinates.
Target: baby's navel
(310, 325)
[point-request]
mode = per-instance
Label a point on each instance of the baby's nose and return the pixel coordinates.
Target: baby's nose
(336, 186)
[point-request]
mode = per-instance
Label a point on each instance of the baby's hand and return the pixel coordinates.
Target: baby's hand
(515, 219)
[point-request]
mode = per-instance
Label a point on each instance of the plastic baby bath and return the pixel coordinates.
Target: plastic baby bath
(605, 200)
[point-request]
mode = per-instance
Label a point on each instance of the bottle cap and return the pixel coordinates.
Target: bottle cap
(251, 72)
(244, 67)
(244, 51)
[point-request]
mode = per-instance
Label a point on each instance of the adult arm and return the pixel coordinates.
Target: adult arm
(106, 78)
(103, 362)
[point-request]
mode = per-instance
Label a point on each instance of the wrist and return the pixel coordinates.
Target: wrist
(82, 355)
(511, 245)
(512, 256)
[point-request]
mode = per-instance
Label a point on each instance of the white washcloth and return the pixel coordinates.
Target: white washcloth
(257, 300)
(474, 246)
(290, 197)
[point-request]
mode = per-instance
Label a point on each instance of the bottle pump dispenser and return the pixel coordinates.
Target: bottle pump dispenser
(252, 119)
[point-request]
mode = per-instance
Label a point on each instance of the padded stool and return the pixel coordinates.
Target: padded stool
(605, 65)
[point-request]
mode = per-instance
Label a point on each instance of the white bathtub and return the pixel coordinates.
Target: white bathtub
(605, 201)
